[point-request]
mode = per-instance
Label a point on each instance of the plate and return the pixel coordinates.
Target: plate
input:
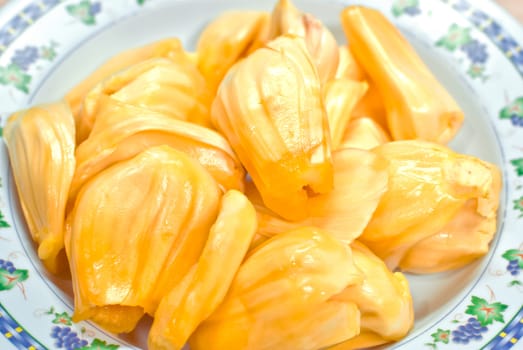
(473, 47)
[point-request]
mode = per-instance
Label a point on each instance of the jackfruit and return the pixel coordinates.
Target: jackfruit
(270, 108)
(172, 87)
(360, 181)
(279, 298)
(384, 301)
(227, 39)
(465, 238)
(201, 291)
(287, 19)
(364, 133)
(428, 185)
(135, 231)
(418, 106)
(122, 131)
(340, 97)
(167, 48)
(41, 144)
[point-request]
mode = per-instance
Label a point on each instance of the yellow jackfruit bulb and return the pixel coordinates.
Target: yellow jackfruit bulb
(340, 97)
(270, 109)
(135, 231)
(279, 299)
(41, 146)
(428, 186)
(174, 88)
(371, 106)
(287, 19)
(168, 48)
(226, 40)
(357, 174)
(384, 300)
(418, 106)
(201, 291)
(364, 133)
(122, 131)
(465, 238)
(348, 67)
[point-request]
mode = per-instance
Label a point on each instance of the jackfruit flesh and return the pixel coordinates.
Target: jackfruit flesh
(41, 145)
(418, 106)
(135, 231)
(279, 298)
(270, 108)
(357, 174)
(172, 87)
(201, 291)
(122, 131)
(428, 185)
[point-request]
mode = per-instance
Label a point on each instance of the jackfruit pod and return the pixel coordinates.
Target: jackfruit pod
(371, 105)
(418, 106)
(122, 131)
(227, 39)
(40, 143)
(270, 109)
(287, 19)
(348, 67)
(364, 133)
(428, 186)
(465, 238)
(201, 291)
(136, 229)
(167, 48)
(360, 180)
(340, 97)
(174, 88)
(279, 299)
(384, 300)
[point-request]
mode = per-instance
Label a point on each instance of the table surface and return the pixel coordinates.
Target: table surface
(514, 7)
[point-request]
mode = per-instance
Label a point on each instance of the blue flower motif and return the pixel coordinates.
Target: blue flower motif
(478, 17)
(25, 57)
(518, 58)
(506, 43)
(412, 10)
(493, 30)
(461, 5)
(18, 24)
(5, 38)
(476, 51)
(33, 11)
(95, 8)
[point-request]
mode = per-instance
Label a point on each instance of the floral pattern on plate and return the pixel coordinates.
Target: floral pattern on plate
(473, 40)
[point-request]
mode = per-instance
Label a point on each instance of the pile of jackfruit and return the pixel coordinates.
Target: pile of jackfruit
(258, 193)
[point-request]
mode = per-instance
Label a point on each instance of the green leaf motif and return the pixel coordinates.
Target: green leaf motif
(456, 36)
(518, 205)
(514, 108)
(514, 254)
(99, 344)
(140, 2)
(486, 313)
(518, 163)
(515, 283)
(15, 76)
(82, 11)
(476, 71)
(441, 336)
(9, 280)
(63, 319)
(3, 223)
(399, 6)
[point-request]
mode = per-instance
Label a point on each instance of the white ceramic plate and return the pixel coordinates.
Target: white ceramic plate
(473, 47)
